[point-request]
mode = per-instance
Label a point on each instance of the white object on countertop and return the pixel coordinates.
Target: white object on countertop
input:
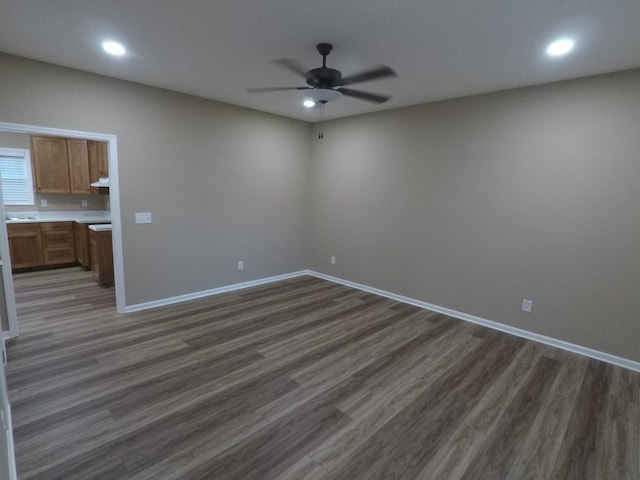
(104, 227)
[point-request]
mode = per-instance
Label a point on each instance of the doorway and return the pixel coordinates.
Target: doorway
(114, 200)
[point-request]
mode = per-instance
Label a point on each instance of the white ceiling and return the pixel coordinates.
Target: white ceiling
(216, 48)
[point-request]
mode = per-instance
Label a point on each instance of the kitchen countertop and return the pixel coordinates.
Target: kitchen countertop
(80, 216)
(105, 227)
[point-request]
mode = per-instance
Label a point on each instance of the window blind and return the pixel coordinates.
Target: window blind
(17, 183)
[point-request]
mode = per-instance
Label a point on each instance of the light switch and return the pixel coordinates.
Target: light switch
(143, 217)
(43, 203)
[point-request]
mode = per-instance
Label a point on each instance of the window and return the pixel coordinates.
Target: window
(17, 181)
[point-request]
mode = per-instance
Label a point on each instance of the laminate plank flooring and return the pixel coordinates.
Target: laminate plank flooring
(301, 379)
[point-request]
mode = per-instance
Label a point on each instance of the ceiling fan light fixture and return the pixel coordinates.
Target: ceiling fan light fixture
(309, 103)
(322, 95)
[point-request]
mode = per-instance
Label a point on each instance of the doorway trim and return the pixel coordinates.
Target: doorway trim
(114, 195)
(7, 281)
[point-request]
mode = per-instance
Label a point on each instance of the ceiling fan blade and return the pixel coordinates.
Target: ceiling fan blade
(292, 65)
(274, 89)
(371, 97)
(373, 74)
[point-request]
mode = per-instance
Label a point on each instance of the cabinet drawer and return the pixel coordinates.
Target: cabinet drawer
(17, 229)
(55, 256)
(57, 239)
(57, 226)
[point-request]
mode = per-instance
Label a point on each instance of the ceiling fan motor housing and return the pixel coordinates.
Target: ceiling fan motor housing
(324, 77)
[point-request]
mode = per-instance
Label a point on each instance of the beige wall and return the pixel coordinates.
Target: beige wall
(14, 140)
(58, 202)
(471, 204)
(476, 203)
(223, 183)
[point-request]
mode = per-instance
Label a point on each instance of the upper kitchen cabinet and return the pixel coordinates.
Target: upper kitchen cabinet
(78, 166)
(98, 165)
(51, 164)
(68, 165)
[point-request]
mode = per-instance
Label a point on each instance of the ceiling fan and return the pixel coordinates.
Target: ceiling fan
(326, 84)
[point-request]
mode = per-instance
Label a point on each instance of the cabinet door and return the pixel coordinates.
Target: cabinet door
(57, 242)
(78, 166)
(25, 245)
(95, 259)
(98, 165)
(51, 164)
(82, 244)
(102, 258)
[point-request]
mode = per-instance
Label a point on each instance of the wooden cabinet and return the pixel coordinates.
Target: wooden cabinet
(98, 165)
(50, 164)
(78, 166)
(34, 245)
(82, 244)
(102, 257)
(68, 165)
(81, 240)
(57, 243)
(25, 245)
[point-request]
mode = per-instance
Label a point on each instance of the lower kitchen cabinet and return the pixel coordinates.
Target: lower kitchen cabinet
(83, 252)
(44, 244)
(83, 247)
(102, 257)
(25, 245)
(57, 243)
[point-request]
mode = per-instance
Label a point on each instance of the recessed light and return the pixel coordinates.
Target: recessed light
(114, 48)
(309, 103)
(560, 47)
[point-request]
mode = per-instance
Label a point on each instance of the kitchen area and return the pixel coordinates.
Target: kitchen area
(56, 204)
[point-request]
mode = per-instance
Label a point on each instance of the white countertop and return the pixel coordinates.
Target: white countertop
(80, 216)
(105, 227)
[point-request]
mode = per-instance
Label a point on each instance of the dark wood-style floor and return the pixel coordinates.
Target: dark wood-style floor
(302, 379)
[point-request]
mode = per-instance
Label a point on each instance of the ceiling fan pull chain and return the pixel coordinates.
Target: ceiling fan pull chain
(321, 133)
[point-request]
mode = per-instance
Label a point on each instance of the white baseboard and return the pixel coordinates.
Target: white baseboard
(536, 337)
(214, 291)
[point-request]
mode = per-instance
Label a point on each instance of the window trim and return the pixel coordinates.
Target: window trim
(25, 154)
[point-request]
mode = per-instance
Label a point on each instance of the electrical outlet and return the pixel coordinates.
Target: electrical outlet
(240, 264)
(83, 203)
(527, 305)
(44, 203)
(143, 217)
(333, 260)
